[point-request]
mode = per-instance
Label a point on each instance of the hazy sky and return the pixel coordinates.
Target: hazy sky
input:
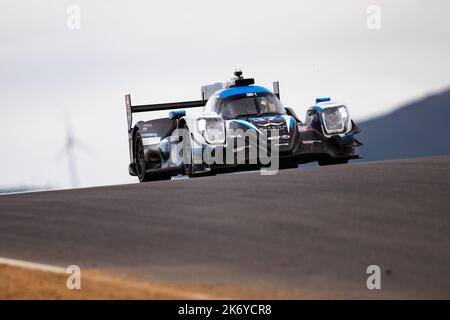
(164, 51)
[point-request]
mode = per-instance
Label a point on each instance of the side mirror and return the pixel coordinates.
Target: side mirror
(291, 113)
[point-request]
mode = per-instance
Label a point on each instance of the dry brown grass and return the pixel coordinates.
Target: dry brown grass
(20, 283)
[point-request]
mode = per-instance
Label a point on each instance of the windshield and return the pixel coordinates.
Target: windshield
(253, 104)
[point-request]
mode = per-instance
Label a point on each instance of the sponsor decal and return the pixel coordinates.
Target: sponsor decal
(270, 124)
(283, 137)
(149, 134)
(304, 129)
(150, 140)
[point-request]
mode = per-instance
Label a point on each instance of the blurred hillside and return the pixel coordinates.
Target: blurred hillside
(420, 128)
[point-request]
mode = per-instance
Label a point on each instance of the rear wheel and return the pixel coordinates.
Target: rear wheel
(331, 161)
(141, 166)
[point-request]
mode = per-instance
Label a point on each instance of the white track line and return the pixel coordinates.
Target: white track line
(31, 265)
(59, 270)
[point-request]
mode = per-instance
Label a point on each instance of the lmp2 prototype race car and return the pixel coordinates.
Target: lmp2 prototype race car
(238, 121)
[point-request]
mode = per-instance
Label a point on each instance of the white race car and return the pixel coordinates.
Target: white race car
(240, 127)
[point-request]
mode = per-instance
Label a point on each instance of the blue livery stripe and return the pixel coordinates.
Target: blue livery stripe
(241, 90)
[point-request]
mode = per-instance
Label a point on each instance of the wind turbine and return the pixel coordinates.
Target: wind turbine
(68, 150)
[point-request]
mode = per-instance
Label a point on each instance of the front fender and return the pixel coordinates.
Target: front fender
(197, 137)
(192, 125)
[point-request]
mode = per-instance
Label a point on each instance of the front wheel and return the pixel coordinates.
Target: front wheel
(187, 153)
(191, 169)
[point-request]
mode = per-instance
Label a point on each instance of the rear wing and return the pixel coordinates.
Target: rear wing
(158, 107)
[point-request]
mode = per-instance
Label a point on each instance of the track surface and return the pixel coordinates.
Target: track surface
(311, 229)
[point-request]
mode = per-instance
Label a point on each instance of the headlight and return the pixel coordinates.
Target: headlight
(212, 129)
(335, 119)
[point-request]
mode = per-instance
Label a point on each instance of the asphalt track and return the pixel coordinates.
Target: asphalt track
(310, 229)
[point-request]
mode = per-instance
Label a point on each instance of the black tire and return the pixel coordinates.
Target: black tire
(331, 161)
(188, 161)
(187, 153)
(141, 166)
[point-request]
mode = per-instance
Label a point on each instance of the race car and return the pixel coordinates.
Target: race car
(239, 119)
